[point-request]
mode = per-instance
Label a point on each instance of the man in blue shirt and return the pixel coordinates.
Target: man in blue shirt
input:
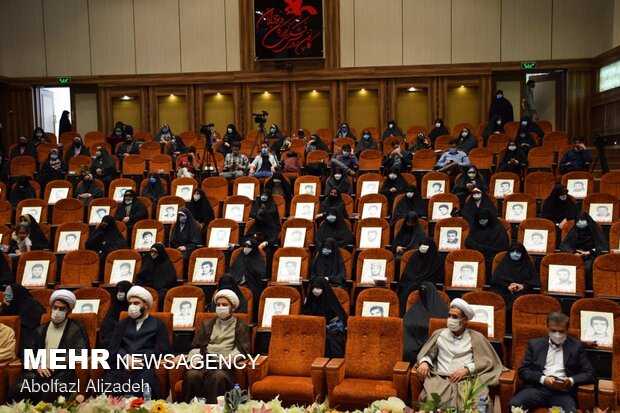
(576, 159)
(453, 160)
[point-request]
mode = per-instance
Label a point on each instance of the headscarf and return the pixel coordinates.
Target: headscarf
(38, 238)
(460, 186)
(437, 131)
(39, 139)
(158, 273)
(112, 316)
(105, 161)
(88, 186)
(521, 271)
(201, 210)
(343, 185)
(399, 183)
(6, 275)
(365, 144)
(249, 270)
(409, 237)
(420, 267)
(190, 235)
(489, 239)
(64, 125)
(556, 210)
(586, 239)
(493, 127)
(154, 191)
(106, 237)
(406, 204)
(337, 230)
(415, 320)
(270, 206)
(227, 282)
(336, 202)
(22, 190)
(527, 140)
(393, 131)
(509, 155)
(331, 266)
(233, 136)
(28, 309)
(325, 305)
(263, 228)
(283, 183)
(471, 207)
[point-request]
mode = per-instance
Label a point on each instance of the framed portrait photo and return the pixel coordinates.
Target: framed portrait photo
(597, 326)
(246, 189)
(35, 273)
(515, 211)
(234, 212)
(274, 306)
(204, 270)
(370, 237)
(485, 314)
(602, 212)
(373, 269)
(307, 188)
(289, 270)
(535, 240)
(183, 311)
(562, 279)
(56, 194)
(33, 211)
(375, 309)
(371, 210)
(577, 188)
(185, 192)
(168, 213)
(503, 188)
(219, 238)
(145, 238)
(434, 188)
(122, 270)
(69, 241)
(97, 214)
(441, 210)
(465, 274)
(295, 237)
(119, 192)
(450, 238)
(304, 210)
(86, 306)
(370, 187)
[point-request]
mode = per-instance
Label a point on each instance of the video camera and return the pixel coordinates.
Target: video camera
(206, 129)
(260, 117)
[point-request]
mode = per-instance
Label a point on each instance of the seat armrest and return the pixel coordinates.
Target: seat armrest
(607, 397)
(401, 367)
(585, 397)
(259, 371)
(317, 372)
(319, 363)
(507, 388)
(176, 374)
(334, 372)
(586, 388)
(400, 377)
(606, 387)
(507, 377)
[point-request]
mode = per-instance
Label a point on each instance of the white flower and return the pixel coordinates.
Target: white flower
(515, 409)
(61, 400)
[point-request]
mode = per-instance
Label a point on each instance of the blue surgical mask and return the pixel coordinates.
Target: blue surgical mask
(515, 255)
(264, 198)
(152, 180)
(264, 151)
(331, 219)
(345, 154)
(344, 129)
(8, 296)
(272, 130)
(499, 96)
(182, 219)
(483, 221)
(366, 137)
(452, 150)
(581, 224)
(53, 156)
(326, 251)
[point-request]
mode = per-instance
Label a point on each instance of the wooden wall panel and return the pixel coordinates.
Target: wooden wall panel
(203, 35)
(67, 39)
(526, 30)
(581, 29)
(616, 28)
(85, 110)
(112, 42)
(378, 33)
(22, 44)
(428, 40)
(475, 31)
(347, 33)
(579, 102)
(233, 41)
(157, 36)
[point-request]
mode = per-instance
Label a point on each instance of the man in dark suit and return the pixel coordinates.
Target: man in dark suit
(553, 368)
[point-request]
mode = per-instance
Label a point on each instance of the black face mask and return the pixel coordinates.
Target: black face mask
(22, 144)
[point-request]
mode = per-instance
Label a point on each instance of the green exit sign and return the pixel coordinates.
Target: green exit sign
(63, 80)
(528, 65)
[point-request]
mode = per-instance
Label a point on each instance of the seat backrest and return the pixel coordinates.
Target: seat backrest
(610, 183)
(424, 159)
(488, 298)
(23, 165)
(243, 183)
(57, 190)
(495, 186)
(374, 346)
(539, 184)
(442, 143)
(444, 230)
(308, 184)
(377, 295)
(438, 323)
(95, 293)
(34, 263)
(79, 268)
(240, 201)
(225, 225)
(430, 180)
(114, 263)
(296, 224)
(555, 140)
(370, 160)
(592, 204)
(282, 255)
(63, 244)
(378, 199)
(569, 179)
(448, 199)
(465, 270)
(67, 210)
(105, 204)
(42, 296)
(532, 309)
(185, 291)
(614, 236)
(414, 297)
(296, 341)
(201, 255)
(164, 203)
(280, 291)
(366, 228)
(510, 206)
(549, 266)
(369, 183)
(88, 320)
(118, 187)
(29, 207)
(521, 337)
(216, 186)
(605, 278)
(599, 305)
(530, 228)
(378, 256)
(179, 185)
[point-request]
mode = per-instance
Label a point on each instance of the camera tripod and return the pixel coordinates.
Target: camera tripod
(208, 164)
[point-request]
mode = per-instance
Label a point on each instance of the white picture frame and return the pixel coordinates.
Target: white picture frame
(205, 270)
(86, 306)
(119, 192)
(371, 210)
(577, 188)
(35, 273)
(274, 306)
(450, 238)
(562, 279)
(485, 314)
(307, 188)
(375, 309)
(441, 210)
(434, 187)
(145, 238)
(97, 213)
(370, 187)
(122, 270)
(503, 188)
(597, 326)
(33, 211)
(69, 241)
(535, 240)
(373, 269)
(602, 212)
(219, 238)
(168, 213)
(515, 211)
(305, 210)
(184, 311)
(289, 270)
(295, 237)
(465, 274)
(56, 194)
(185, 192)
(370, 237)
(246, 189)
(234, 212)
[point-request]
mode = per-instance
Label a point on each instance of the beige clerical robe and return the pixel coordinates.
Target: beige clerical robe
(486, 364)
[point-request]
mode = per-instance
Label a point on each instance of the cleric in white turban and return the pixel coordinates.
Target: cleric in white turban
(60, 332)
(137, 334)
(225, 335)
(452, 354)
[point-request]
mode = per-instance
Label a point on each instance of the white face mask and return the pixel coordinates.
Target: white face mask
(58, 316)
(392, 176)
(455, 324)
(229, 130)
(563, 197)
(477, 196)
(464, 134)
(499, 122)
(437, 124)
(423, 249)
(120, 296)
(222, 312)
(512, 147)
(135, 311)
(409, 194)
(557, 338)
(317, 291)
(247, 250)
(337, 176)
(196, 197)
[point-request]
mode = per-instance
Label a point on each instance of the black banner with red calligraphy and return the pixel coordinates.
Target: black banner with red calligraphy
(288, 29)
